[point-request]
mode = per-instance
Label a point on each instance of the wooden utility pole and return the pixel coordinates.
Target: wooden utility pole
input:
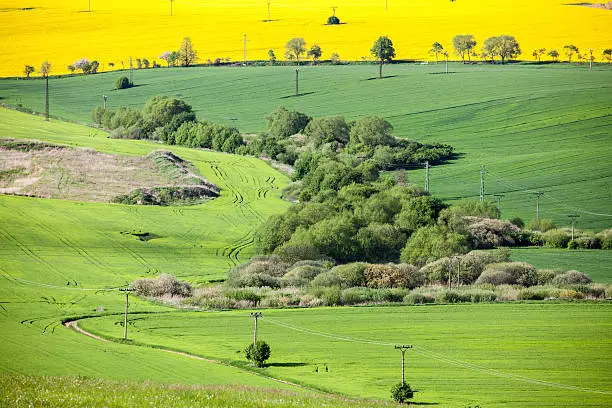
(590, 59)
(403, 349)
(171, 7)
(255, 315)
(89, 6)
(269, 12)
(380, 51)
(573, 218)
(105, 99)
(538, 195)
(127, 306)
(244, 56)
(297, 80)
(499, 197)
(446, 55)
(131, 79)
(47, 97)
(482, 182)
(427, 176)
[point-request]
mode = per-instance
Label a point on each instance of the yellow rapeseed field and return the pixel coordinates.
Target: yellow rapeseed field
(63, 31)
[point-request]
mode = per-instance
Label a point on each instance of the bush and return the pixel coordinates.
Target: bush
(418, 299)
(541, 225)
(242, 294)
(162, 285)
(452, 296)
(556, 238)
(258, 353)
(330, 296)
(570, 294)
(605, 237)
(122, 83)
(333, 20)
(545, 276)
(486, 233)
(353, 296)
(481, 295)
(513, 273)
(351, 274)
(538, 293)
(401, 392)
(393, 276)
(571, 278)
(284, 123)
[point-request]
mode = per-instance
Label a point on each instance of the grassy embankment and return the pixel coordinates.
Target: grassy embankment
(535, 128)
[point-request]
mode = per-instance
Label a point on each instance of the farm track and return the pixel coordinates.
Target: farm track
(73, 324)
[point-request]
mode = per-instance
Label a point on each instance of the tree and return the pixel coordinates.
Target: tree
(436, 48)
(271, 57)
(186, 54)
(371, 131)
(570, 50)
(28, 70)
(315, 53)
(333, 20)
(284, 123)
(383, 50)
(93, 67)
(71, 68)
(145, 63)
(258, 353)
(537, 54)
(45, 70)
(122, 83)
(464, 44)
(554, 54)
(83, 64)
(401, 392)
(607, 54)
(167, 56)
(503, 46)
(294, 48)
(335, 58)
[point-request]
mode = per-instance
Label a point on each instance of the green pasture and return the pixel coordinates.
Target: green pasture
(535, 127)
(492, 355)
(595, 263)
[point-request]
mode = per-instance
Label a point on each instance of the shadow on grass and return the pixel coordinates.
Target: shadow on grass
(297, 96)
(384, 77)
(443, 73)
(286, 365)
(422, 403)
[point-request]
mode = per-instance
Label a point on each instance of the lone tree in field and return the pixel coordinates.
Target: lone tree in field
(503, 46)
(436, 49)
(28, 70)
(294, 49)
(186, 54)
(45, 70)
(464, 44)
(170, 57)
(258, 353)
(570, 50)
(383, 50)
(607, 54)
(554, 54)
(315, 53)
(83, 64)
(537, 54)
(271, 57)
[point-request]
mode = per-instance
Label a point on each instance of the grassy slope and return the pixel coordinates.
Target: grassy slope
(536, 128)
(75, 246)
(465, 354)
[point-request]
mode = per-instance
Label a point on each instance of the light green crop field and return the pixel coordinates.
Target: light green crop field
(535, 127)
(492, 355)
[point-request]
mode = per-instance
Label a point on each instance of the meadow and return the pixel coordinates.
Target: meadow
(535, 127)
(114, 30)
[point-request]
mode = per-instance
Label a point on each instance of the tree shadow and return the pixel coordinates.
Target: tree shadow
(443, 73)
(133, 86)
(297, 96)
(423, 403)
(383, 77)
(286, 365)
(270, 21)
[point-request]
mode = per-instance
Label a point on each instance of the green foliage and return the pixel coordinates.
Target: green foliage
(162, 285)
(542, 225)
(503, 46)
(327, 129)
(315, 53)
(464, 44)
(393, 276)
(570, 278)
(557, 238)
(294, 49)
(519, 273)
(186, 55)
(163, 111)
(401, 392)
(430, 243)
(258, 353)
(284, 123)
(333, 20)
(369, 132)
(383, 49)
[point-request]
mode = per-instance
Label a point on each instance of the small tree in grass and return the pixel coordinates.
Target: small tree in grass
(258, 353)
(401, 392)
(28, 70)
(122, 83)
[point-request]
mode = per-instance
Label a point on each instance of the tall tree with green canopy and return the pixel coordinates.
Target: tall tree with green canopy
(436, 49)
(383, 50)
(464, 44)
(186, 54)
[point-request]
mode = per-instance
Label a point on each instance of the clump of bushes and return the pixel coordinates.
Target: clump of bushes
(512, 273)
(161, 286)
(571, 278)
(122, 83)
(333, 20)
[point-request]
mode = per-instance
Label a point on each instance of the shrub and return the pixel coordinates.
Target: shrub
(588, 242)
(605, 237)
(518, 221)
(556, 238)
(418, 299)
(385, 295)
(538, 293)
(284, 123)
(481, 295)
(520, 273)
(258, 353)
(328, 279)
(474, 262)
(243, 294)
(333, 20)
(162, 285)
(401, 392)
(330, 296)
(452, 296)
(570, 294)
(393, 276)
(351, 274)
(486, 233)
(353, 296)
(122, 83)
(545, 276)
(570, 278)
(540, 225)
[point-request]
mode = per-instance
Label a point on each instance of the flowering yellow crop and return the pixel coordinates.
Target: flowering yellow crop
(62, 31)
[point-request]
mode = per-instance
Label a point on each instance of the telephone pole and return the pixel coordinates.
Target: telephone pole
(573, 218)
(244, 58)
(105, 99)
(269, 12)
(131, 80)
(380, 51)
(427, 176)
(538, 195)
(171, 7)
(499, 197)
(457, 260)
(127, 306)
(334, 10)
(255, 315)
(403, 349)
(297, 79)
(482, 182)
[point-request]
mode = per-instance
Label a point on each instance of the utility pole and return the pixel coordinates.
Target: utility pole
(446, 55)
(381, 60)
(499, 197)
(403, 349)
(89, 6)
(386, 4)
(457, 260)
(105, 99)
(427, 176)
(131, 81)
(482, 182)
(47, 97)
(244, 58)
(269, 12)
(297, 79)
(255, 315)
(171, 7)
(127, 306)
(590, 59)
(538, 195)
(334, 10)
(573, 218)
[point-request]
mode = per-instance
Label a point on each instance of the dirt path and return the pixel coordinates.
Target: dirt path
(73, 324)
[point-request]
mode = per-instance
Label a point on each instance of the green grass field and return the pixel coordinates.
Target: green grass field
(535, 127)
(493, 355)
